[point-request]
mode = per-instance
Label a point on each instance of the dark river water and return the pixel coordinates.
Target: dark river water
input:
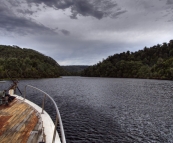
(109, 110)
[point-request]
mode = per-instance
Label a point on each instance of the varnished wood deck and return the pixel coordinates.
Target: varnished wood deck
(19, 123)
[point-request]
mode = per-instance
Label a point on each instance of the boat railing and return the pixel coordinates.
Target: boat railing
(58, 116)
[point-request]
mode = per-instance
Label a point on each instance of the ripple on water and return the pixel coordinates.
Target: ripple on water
(111, 110)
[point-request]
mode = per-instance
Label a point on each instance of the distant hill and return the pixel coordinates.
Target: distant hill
(27, 63)
(74, 69)
(155, 62)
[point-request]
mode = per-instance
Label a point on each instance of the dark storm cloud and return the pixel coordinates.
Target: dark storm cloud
(11, 23)
(21, 26)
(84, 8)
(14, 3)
(65, 32)
(95, 8)
(169, 1)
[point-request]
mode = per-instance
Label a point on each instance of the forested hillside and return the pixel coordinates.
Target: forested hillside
(155, 62)
(27, 63)
(74, 70)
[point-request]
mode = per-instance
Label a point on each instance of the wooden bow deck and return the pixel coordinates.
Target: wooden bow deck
(20, 123)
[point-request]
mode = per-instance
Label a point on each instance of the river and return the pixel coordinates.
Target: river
(110, 110)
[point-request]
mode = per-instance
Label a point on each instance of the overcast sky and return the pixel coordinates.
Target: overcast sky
(83, 32)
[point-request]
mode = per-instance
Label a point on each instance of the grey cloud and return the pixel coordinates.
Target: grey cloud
(169, 1)
(86, 9)
(65, 32)
(95, 8)
(55, 29)
(114, 15)
(11, 23)
(60, 4)
(25, 11)
(74, 15)
(4, 10)
(14, 3)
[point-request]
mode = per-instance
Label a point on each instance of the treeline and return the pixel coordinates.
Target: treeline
(27, 63)
(74, 70)
(155, 62)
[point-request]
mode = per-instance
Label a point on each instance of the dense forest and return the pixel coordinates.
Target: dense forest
(27, 63)
(155, 62)
(74, 70)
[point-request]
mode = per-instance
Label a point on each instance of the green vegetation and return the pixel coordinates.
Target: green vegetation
(27, 63)
(74, 70)
(155, 62)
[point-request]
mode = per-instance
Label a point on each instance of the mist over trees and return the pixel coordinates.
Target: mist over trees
(155, 62)
(27, 63)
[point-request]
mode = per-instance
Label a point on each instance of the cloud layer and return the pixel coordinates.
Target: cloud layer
(95, 8)
(10, 22)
